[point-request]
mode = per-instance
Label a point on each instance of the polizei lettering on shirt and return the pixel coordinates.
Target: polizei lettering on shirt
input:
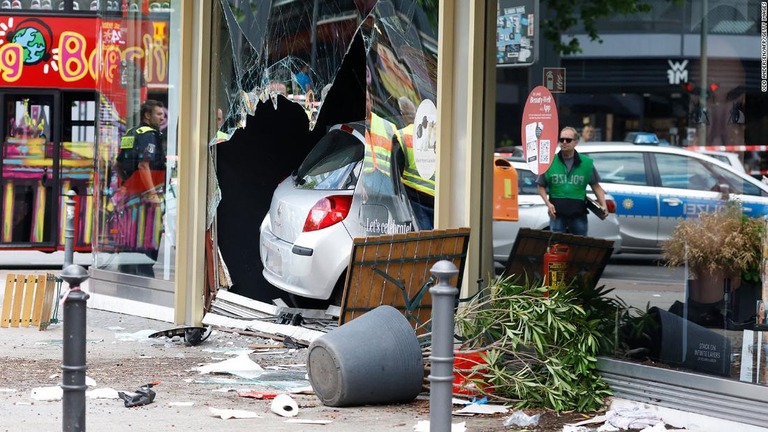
(565, 179)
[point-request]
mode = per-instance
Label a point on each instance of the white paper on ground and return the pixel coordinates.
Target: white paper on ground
(241, 366)
(423, 426)
(232, 413)
(181, 404)
(307, 421)
(102, 393)
(47, 393)
(473, 409)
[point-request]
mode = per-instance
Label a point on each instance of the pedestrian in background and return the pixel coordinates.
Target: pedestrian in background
(564, 186)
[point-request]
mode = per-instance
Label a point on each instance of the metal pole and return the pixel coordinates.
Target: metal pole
(441, 376)
(69, 231)
(73, 364)
(313, 38)
(703, 123)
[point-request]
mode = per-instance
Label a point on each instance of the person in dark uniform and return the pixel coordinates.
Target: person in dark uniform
(140, 167)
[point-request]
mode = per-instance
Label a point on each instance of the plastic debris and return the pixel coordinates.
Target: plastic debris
(632, 418)
(519, 418)
(284, 405)
(192, 335)
(257, 394)
(232, 413)
(143, 396)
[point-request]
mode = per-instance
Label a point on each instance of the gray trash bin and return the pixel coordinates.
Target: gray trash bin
(373, 359)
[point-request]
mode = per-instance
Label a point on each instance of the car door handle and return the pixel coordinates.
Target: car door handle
(746, 209)
(672, 201)
(527, 205)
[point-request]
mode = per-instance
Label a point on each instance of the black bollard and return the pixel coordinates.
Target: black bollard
(73, 365)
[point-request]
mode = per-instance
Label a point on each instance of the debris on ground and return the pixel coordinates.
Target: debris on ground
(423, 426)
(142, 396)
(227, 414)
(284, 405)
(241, 366)
(519, 418)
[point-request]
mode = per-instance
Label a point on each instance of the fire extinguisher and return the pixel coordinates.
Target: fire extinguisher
(556, 266)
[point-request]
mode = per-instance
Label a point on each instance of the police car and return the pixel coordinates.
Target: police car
(656, 186)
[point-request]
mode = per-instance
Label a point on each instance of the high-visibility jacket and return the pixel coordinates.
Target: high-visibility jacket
(378, 152)
(411, 177)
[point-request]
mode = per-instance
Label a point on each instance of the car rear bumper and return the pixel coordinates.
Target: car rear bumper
(309, 267)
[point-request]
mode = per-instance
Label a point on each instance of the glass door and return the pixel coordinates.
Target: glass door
(29, 170)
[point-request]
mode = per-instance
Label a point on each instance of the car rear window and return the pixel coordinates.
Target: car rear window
(334, 163)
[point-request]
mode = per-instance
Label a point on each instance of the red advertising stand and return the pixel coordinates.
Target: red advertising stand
(540, 129)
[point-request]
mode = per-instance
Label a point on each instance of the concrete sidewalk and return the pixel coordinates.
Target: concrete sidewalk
(121, 357)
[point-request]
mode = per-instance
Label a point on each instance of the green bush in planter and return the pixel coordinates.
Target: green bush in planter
(541, 351)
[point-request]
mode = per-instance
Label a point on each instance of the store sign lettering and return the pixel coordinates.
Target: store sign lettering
(73, 62)
(677, 72)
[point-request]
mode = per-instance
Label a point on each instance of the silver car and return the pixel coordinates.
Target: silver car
(656, 186)
(532, 213)
(333, 197)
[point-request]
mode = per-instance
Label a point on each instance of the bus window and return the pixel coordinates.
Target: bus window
(28, 169)
(77, 158)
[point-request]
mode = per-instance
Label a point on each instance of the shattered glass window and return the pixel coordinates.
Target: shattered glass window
(286, 72)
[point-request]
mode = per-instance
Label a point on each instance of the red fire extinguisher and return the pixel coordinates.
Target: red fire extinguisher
(556, 266)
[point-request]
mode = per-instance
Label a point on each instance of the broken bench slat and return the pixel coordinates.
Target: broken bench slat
(299, 334)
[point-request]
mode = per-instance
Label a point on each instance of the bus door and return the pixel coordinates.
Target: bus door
(29, 172)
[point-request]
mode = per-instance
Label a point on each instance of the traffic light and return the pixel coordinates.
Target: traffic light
(712, 88)
(689, 88)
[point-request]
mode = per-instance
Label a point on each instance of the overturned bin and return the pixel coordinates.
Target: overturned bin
(373, 359)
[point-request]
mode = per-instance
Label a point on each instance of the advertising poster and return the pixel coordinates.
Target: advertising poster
(516, 32)
(540, 129)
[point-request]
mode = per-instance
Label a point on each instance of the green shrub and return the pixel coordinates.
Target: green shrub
(541, 351)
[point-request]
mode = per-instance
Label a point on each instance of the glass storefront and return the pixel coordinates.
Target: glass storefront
(137, 149)
(665, 74)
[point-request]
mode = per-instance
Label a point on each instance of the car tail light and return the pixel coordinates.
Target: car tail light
(328, 211)
(611, 204)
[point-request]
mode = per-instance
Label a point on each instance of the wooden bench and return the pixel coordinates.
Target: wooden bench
(395, 270)
(588, 255)
(29, 301)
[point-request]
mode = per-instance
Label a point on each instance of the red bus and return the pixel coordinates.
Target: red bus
(60, 72)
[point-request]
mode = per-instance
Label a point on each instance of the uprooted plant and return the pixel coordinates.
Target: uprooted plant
(540, 350)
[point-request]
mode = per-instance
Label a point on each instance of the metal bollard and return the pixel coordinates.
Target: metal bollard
(73, 365)
(69, 230)
(441, 377)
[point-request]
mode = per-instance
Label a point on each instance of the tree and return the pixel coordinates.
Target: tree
(567, 14)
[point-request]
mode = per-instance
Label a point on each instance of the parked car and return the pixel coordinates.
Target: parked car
(306, 238)
(533, 214)
(727, 158)
(655, 186)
